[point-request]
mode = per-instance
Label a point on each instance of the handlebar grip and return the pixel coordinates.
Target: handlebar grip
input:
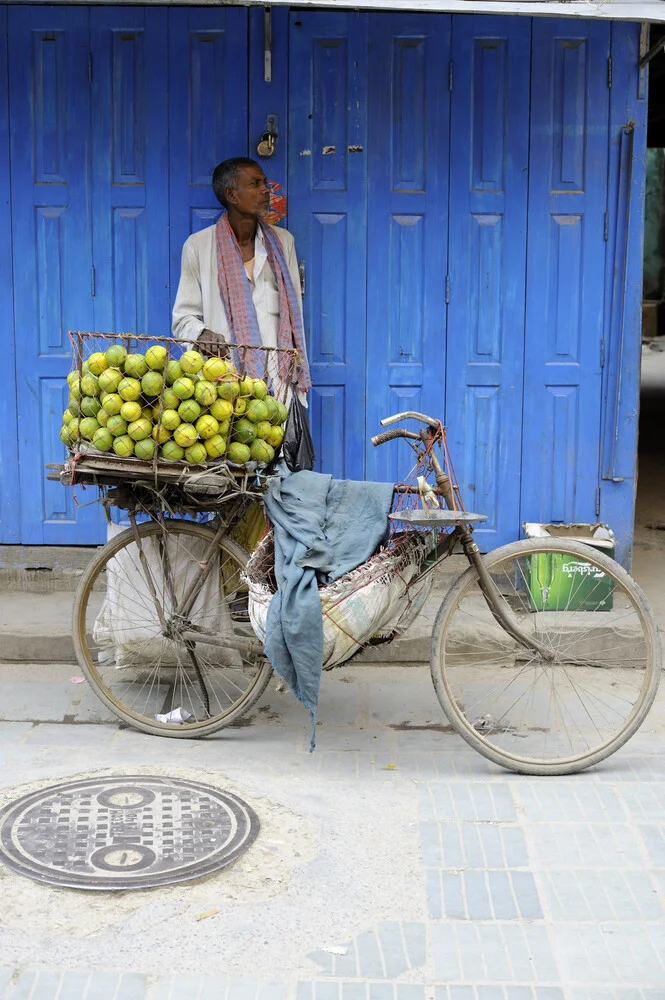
(388, 436)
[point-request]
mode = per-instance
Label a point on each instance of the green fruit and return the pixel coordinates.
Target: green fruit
(171, 452)
(224, 427)
(115, 355)
(271, 403)
(183, 388)
(282, 414)
(160, 433)
(170, 399)
(73, 428)
(191, 362)
(113, 403)
(123, 446)
(207, 426)
(131, 410)
(145, 449)
(75, 387)
(90, 385)
(110, 380)
(171, 419)
(155, 357)
(173, 372)
(117, 425)
(185, 435)
(73, 406)
(215, 446)
(247, 386)
(139, 429)
(222, 409)
(87, 428)
(67, 416)
(150, 412)
(102, 439)
(262, 429)
(260, 390)
(261, 452)
(72, 377)
(240, 405)
(256, 411)
(152, 383)
(189, 411)
(228, 388)
(135, 366)
(65, 436)
(85, 368)
(243, 431)
(196, 454)
(274, 437)
(205, 393)
(90, 406)
(97, 363)
(103, 417)
(214, 368)
(129, 388)
(238, 453)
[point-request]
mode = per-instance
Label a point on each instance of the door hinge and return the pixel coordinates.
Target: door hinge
(447, 289)
(301, 272)
(609, 71)
(602, 353)
(89, 67)
(93, 282)
(450, 75)
(606, 226)
(598, 501)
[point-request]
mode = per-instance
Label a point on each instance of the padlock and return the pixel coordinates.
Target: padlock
(266, 146)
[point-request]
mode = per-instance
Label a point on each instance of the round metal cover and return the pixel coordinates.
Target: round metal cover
(124, 832)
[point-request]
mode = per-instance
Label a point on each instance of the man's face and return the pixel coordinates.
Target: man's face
(252, 195)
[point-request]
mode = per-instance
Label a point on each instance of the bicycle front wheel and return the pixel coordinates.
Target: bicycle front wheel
(589, 689)
(138, 605)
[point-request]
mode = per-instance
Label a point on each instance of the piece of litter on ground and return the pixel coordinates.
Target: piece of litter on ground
(77, 680)
(390, 767)
(336, 949)
(207, 913)
(178, 715)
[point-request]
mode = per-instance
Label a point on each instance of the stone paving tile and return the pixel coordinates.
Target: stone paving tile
(472, 801)
(600, 895)
(611, 954)
(482, 895)
(496, 953)
(73, 985)
(654, 841)
(584, 845)
(472, 845)
(385, 952)
(570, 802)
(359, 991)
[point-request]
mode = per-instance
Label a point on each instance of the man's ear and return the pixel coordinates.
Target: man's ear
(231, 196)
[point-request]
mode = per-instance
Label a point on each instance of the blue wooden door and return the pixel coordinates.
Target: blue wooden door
(10, 496)
(408, 142)
(52, 248)
(566, 269)
(130, 169)
(487, 253)
(208, 101)
(328, 217)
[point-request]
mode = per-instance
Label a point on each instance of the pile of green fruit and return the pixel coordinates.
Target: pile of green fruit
(190, 409)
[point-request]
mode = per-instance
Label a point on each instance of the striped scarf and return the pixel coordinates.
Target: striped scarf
(235, 290)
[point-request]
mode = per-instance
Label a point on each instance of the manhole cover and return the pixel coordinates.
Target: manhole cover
(124, 832)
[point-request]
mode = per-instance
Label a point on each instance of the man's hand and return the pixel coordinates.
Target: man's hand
(212, 344)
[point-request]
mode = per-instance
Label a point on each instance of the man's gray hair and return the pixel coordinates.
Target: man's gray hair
(225, 176)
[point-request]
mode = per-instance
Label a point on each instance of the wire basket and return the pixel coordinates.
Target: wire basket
(154, 384)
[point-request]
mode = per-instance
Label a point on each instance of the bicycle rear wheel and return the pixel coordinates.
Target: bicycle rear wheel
(128, 630)
(575, 705)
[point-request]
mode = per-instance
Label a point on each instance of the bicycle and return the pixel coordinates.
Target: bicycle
(538, 680)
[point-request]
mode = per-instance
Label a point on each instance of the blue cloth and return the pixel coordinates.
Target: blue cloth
(323, 528)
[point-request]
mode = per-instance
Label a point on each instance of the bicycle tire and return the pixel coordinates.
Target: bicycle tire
(106, 680)
(586, 659)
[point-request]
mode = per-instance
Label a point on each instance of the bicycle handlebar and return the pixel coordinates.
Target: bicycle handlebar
(397, 432)
(410, 415)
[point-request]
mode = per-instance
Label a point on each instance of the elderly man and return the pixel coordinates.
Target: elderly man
(239, 280)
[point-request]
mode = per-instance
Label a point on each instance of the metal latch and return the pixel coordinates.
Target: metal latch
(266, 145)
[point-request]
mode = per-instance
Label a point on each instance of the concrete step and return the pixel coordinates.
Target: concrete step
(42, 569)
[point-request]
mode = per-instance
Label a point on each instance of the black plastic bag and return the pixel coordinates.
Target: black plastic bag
(298, 447)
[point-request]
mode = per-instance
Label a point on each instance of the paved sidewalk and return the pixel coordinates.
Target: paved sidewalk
(392, 864)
